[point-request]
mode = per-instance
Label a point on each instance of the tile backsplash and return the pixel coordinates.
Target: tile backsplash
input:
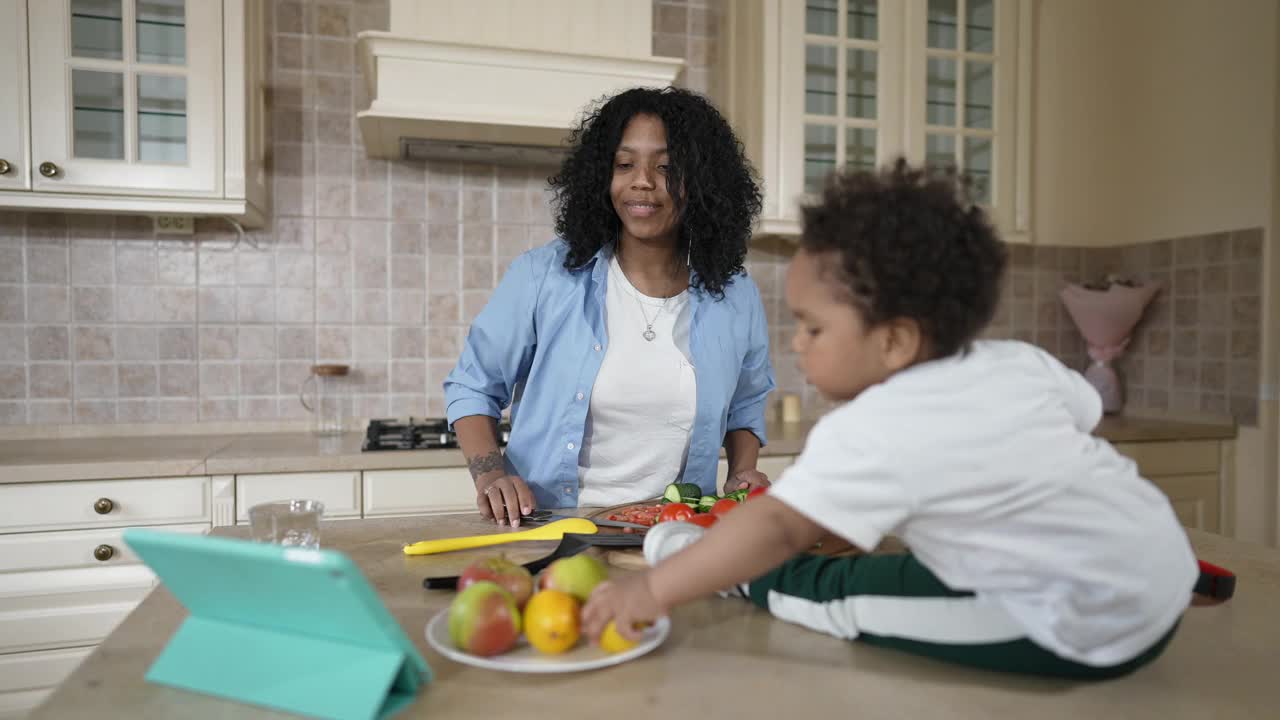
(382, 265)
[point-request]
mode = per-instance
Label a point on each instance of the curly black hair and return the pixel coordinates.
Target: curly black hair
(709, 179)
(910, 244)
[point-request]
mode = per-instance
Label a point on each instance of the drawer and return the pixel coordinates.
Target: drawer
(339, 491)
(28, 507)
(389, 493)
(1194, 499)
(37, 670)
(48, 610)
(1173, 458)
(17, 704)
(72, 549)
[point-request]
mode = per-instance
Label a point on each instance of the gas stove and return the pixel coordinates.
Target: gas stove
(418, 434)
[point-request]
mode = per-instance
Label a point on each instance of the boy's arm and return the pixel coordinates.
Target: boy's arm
(746, 543)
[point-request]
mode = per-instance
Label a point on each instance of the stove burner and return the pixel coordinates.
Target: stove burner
(418, 434)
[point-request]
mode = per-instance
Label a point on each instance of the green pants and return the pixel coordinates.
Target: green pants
(894, 601)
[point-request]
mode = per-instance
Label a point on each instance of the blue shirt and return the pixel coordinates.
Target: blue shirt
(543, 330)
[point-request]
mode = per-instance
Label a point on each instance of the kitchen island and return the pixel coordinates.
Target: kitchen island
(725, 658)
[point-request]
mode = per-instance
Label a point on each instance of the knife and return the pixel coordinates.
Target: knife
(540, 517)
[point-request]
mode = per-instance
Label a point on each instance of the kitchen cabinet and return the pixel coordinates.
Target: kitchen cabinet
(1196, 475)
(339, 491)
(813, 86)
(66, 577)
(392, 493)
(130, 110)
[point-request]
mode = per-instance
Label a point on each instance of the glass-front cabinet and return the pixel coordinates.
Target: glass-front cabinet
(814, 86)
(134, 105)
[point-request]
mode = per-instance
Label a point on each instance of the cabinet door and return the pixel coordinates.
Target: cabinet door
(388, 493)
(130, 96)
(26, 679)
(339, 491)
(14, 168)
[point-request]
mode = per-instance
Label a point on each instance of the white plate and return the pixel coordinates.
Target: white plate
(524, 659)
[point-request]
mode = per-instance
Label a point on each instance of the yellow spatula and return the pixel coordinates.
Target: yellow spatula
(550, 531)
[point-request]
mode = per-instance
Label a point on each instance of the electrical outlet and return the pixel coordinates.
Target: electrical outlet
(174, 224)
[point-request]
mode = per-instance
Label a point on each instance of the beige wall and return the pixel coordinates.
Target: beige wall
(1152, 118)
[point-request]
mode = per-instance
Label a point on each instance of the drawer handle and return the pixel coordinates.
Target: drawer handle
(48, 169)
(103, 553)
(103, 506)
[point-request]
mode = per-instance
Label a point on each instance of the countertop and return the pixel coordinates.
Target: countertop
(140, 456)
(725, 658)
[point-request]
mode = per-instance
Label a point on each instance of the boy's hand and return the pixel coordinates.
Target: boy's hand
(746, 480)
(628, 601)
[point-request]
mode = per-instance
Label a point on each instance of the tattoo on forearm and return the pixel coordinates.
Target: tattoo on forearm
(481, 464)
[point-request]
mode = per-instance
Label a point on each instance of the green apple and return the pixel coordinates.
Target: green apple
(576, 575)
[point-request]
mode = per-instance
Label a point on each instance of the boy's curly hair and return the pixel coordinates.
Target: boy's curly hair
(709, 179)
(910, 245)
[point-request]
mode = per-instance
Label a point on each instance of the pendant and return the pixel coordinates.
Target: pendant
(650, 335)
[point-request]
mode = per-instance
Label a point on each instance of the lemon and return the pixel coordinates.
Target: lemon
(551, 621)
(611, 641)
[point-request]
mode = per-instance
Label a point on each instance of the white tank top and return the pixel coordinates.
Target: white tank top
(644, 398)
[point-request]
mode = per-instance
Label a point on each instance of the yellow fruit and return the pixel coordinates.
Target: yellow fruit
(551, 621)
(611, 641)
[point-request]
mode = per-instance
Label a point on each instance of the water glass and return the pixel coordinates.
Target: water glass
(295, 523)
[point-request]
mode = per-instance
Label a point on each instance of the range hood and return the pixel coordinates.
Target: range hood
(499, 81)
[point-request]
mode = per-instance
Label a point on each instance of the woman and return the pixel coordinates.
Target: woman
(634, 346)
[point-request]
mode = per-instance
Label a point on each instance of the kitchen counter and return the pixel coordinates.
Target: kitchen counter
(81, 458)
(730, 658)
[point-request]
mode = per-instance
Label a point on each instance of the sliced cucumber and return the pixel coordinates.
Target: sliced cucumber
(672, 493)
(739, 495)
(706, 501)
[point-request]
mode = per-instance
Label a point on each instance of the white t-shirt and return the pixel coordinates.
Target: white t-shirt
(983, 463)
(644, 398)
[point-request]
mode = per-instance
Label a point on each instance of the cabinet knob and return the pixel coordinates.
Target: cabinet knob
(48, 169)
(103, 553)
(5, 167)
(103, 506)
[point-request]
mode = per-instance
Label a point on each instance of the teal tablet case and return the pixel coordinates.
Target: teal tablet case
(293, 629)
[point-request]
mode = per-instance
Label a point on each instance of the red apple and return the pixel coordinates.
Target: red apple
(515, 578)
(484, 620)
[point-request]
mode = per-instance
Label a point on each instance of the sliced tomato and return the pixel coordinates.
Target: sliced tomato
(757, 491)
(723, 505)
(705, 520)
(675, 511)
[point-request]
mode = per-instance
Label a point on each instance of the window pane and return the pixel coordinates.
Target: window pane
(860, 83)
(819, 156)
(861, 20)
(941, 32)
(860, 148)
(981, 26)
(97, 114)
(940, 92)
(939, 151)
(977, 163)
(820, 17)
(162, 32)
(162, 119)
(97, 29)
(978, 94)
(820, 80)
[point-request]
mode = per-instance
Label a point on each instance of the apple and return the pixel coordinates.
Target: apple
(576, 575)
(515, 578)
(484, 620)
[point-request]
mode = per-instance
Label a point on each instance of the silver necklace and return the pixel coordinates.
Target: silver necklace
(648, 333)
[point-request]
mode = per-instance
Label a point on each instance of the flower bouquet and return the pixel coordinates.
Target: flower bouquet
(1105, 313)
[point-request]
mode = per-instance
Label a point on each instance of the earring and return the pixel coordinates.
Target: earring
(688, 260)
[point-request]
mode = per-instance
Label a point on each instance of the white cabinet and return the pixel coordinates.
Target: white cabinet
(66, 577)
(339, 491)
(136, 106)
(389, 493)
(14, 163)
(813, 86)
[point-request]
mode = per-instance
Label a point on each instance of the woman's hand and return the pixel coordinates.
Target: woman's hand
(504, 499)
(746, 480)
(628, 601)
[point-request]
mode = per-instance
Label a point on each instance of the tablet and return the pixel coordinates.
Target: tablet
(310, 616)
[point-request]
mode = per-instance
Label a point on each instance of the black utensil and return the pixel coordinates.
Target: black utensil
(570, 544)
